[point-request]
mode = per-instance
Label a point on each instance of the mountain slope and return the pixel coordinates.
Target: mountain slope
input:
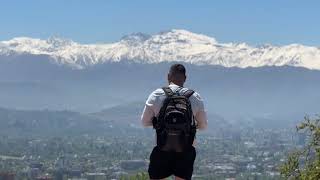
(173, 45)
(46, 122)
(270, 92)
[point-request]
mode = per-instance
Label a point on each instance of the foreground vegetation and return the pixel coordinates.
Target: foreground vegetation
(304, 164)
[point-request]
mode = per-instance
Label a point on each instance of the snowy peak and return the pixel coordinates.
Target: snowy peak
(184, 36)
(59, 42)
(171, 36)
(136, 37)
(36, 46)
(167, 46)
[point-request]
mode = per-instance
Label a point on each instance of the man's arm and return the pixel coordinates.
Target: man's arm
(200, 114)
(147, 115)
(202, 121)
(149, 110)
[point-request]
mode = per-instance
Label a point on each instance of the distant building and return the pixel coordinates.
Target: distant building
(225, 169)
(44, 178)
(36, 165)
(75, 173)
(62, 162)
(60, 174)
(236, 136)
(96, 176)
(7, 176)
(34, 172)
(251, 167)
(133, 164)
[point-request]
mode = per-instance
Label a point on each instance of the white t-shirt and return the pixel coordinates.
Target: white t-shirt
(155, 101)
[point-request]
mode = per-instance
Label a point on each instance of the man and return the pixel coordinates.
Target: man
(164, 163)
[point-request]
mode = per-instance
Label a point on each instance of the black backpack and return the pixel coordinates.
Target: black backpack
(175, 125)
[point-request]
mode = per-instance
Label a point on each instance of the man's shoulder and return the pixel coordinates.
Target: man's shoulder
(197, 96)
(157, 92)
(160, 92)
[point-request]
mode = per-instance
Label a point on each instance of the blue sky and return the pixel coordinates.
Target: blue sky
(255, 22)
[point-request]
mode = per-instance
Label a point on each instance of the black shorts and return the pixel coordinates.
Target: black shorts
(164, 164)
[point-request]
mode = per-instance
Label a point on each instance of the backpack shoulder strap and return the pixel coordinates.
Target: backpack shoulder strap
(188, 93)
(167, 91)
(159, 122)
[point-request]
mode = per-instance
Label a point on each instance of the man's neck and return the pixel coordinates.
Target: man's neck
(175, 83)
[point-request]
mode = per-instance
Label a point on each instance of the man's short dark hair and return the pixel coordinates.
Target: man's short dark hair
(177, 69)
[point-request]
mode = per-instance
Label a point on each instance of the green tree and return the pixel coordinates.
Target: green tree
(305, 164)
(139, 176)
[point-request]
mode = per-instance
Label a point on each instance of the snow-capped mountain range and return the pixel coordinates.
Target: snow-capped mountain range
(173, 45)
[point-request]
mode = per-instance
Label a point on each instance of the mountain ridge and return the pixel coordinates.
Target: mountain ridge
(167, 46)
